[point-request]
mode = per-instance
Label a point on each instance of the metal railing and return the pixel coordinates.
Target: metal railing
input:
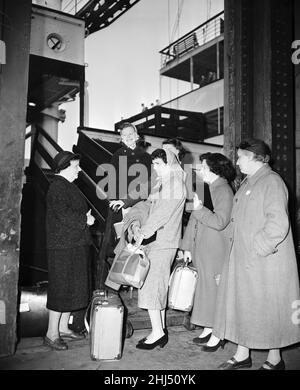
(73, 6)
(169, 123)
(197, 37)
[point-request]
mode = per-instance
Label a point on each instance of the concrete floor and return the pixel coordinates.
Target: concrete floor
(179, 354)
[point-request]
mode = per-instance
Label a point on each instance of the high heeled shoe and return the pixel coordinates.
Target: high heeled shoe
(165, 332)
(233, 364)
(158, 343)
(202, 340)
(278, 366)
(206, 348)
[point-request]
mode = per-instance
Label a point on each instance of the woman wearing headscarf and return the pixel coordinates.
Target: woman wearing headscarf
(206, 243)
(175, 146)
(259, 284)
(165, 205)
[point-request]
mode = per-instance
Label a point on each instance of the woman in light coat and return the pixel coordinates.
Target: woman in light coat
(205, 240)
(259, 286)
(165, 204)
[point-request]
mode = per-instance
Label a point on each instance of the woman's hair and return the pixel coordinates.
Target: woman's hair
(219, 165)
(261, 150)
(178, 145)
(159, 153)
(124, 125)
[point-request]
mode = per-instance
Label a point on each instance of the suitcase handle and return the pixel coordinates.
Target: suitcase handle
(96, 292)
(87, 327)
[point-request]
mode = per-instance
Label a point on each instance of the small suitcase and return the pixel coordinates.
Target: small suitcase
(129, 268)
(106, 326)
(182, 286)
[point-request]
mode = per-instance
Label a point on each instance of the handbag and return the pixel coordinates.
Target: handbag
(129, 268)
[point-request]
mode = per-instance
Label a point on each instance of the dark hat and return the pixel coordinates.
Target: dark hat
(258, 147)
(62, 160)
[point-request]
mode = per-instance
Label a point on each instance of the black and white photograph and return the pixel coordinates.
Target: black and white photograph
(149, 188)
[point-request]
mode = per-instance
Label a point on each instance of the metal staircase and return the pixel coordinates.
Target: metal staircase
(99, 14)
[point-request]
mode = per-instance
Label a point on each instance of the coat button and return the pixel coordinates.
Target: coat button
(236, 200)
(232, 219)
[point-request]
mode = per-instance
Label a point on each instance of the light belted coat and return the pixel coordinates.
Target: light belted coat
(259, 285)
(165, 212)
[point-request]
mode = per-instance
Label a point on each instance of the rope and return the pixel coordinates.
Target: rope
(208, 9)
(177, 21)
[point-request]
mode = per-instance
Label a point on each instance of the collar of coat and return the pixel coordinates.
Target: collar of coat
(264, 170)
(218, 182)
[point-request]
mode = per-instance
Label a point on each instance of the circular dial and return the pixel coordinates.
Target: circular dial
(55, 42)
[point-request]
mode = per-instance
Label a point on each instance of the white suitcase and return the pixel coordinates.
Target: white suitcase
(182, 286)
(106, 326)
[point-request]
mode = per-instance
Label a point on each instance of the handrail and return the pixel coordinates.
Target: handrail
(38, 147)
(44, 154)
(98, 145)
(49, 138)
(198, 37)
(157, 111)
(194, 29)
(87, 178)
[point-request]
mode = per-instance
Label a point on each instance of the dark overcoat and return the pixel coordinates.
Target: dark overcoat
(68, 239)
(66, 220)
(124, 161)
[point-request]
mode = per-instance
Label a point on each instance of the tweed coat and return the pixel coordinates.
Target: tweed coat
(207, 239)
(66, 218)
(259, 284)
(68, 239)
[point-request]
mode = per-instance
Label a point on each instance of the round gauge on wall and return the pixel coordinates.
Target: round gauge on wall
(55, 42)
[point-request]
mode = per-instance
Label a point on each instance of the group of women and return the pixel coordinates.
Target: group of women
(244, 252)
(242, 248)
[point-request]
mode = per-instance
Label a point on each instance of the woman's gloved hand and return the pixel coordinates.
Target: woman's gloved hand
(187, 256)
(116, 205)
(89, 218)
(134, 230)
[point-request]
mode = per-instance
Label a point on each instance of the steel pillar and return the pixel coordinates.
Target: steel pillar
(15, 32)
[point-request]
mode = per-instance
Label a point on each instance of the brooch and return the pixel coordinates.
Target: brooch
(248, 192)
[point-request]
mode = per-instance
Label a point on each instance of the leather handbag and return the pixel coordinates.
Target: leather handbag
(129, 268)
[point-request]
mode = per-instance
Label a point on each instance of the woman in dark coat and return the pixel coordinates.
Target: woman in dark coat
(259, 287)
(68, 240)
(205, 240)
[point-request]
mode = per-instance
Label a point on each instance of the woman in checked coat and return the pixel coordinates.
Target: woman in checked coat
(259, 288)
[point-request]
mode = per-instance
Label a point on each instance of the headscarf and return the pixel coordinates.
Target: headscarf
(174, 164)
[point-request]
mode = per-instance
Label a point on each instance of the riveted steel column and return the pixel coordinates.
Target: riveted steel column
(237, 74)
(13, 104)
